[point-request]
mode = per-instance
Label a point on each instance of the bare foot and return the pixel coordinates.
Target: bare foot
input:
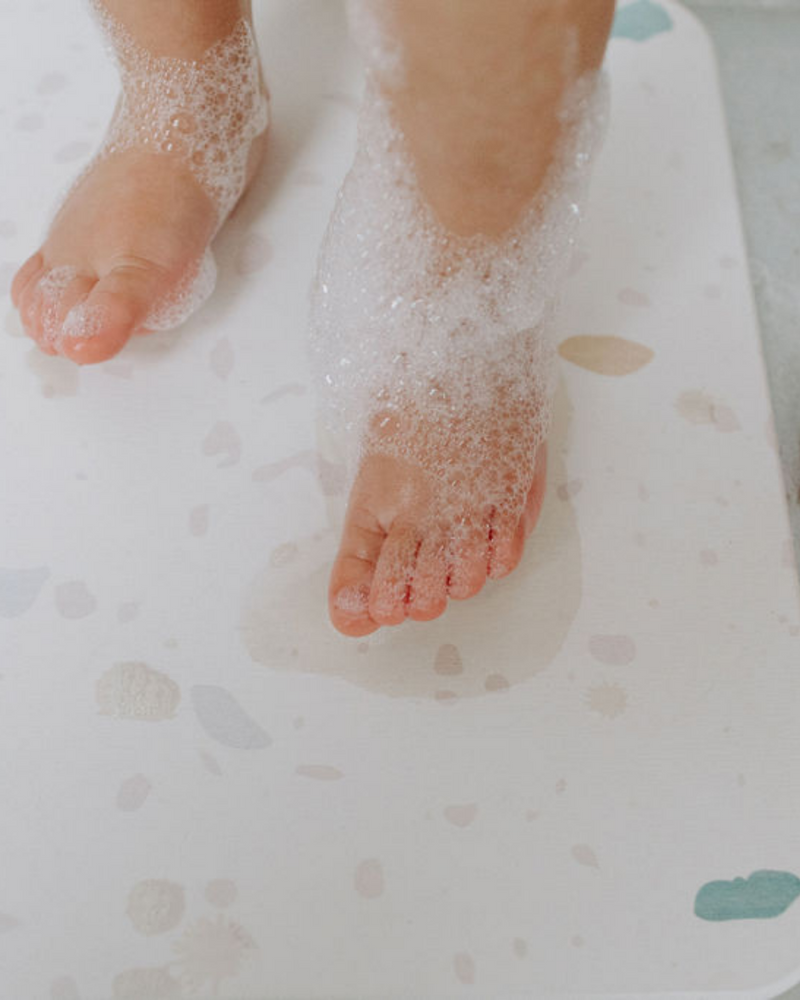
(437, 281)
(128, 250)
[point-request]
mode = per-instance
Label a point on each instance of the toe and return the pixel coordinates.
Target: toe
(30, 270)
(506, 542)
(533, 506)
(391, 587)
(428, 597)
(468, 559)
(353, 572)
(47, 299)
(101, 325)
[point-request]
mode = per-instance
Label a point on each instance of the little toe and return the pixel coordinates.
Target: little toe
(428, 597)
(30, 270)
(389, 596)
(468, 560)
(353, 572)
(506, 544)
(99, 327)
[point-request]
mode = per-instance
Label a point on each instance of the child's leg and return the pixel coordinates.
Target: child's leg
(451, 470)
(128, 249)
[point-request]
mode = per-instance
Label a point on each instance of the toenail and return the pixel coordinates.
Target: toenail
(352, 600)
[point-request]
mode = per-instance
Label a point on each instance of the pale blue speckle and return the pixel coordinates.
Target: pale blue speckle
(224, 719)
(19, 588)
(764, 894)
(641, 20)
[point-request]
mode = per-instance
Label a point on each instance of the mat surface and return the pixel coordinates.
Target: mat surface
(583, 781)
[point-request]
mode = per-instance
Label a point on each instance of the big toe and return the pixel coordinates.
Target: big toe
(353, 573)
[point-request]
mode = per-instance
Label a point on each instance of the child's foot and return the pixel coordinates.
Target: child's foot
(435, 295)
(128, 250)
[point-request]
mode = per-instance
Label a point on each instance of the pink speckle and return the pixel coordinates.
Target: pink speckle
(448, 660)
(584, 855)
(283, 554)
(615, 650)
(496, 682)
(568, 490)
(132, 793)
(630, 297)
(644, 493)
(464, 968)
(461, 815)
(712, 291)
(708, 557)
(368, 879)
(578, 260)
(223, 438)
(445, 697)
(221, 892)
(73, 599)
(221, 358)
(254, 253)
(198, 520)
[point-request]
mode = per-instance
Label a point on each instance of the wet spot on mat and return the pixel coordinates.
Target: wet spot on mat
(448, 660)
(19, 589)
(762, 895)
(225, 721)
(368, 879)
(208, 952)
(641, 20)
(606, 355)
(136, 691)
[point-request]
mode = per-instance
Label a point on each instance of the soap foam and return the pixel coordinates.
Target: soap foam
(436, 349)
(205, 112)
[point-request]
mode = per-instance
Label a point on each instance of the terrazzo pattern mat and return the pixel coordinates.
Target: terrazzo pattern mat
(583, 782)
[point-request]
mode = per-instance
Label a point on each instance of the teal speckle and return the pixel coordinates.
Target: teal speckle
(641, 20)
(764, 894)
(19, 588)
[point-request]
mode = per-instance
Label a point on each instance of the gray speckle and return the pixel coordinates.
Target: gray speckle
(223, 718)
(19, 588)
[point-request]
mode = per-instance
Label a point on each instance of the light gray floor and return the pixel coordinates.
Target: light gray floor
(758, 52)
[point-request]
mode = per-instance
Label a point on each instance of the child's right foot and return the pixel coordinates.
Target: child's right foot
(127, 251)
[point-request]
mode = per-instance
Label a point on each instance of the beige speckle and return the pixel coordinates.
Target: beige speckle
(309, 178)
(155, 906)
(210, 951)
(132, 792)
(699, 407)
(643, 493)
(445, 697)
(254, 253)
(787, 556)
(577, 940)
(146, 984)
(461, 815)
(496, 682)
(283, 554)
(615, 650)
(741, 781)
(7, 922)
(210, 763)
(464, 968)
(712, 291)
(561, 786)
(221, 358)
(29, 123)
(708, 557)
(73, 150)
(221, 892)
(531, 815)
(368, 879)
(584, 855)
(448, 660)
(654, 602)
(607, 699)
(128, 611)
(568, 490)
(50, 83)
(198, 520)
(322, 772)
(136, 691)
(64, 988)
(606, 355)
(299, 722)
(520, 947)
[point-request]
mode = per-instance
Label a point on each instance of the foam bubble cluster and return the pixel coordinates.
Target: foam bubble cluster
(434, 348)
(206, 112)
